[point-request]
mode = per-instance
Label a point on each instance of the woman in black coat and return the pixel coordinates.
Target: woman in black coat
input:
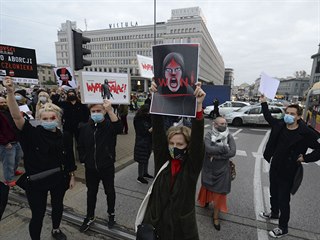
(143, 143)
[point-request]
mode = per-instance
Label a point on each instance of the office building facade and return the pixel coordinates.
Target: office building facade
(114, 49)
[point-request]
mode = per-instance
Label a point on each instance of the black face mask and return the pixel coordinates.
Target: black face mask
(3, 107)
(221, 128)
(177, 153)
(71, 98)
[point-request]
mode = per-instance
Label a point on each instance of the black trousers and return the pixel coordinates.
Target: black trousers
(280, 197)
(93, 178)
(37, 199)
(142, 169)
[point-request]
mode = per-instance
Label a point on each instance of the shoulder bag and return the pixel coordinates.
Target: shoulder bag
(232, 170)
(146, 231)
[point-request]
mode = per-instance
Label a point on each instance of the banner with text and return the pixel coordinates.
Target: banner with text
(96, 86)
(65, 77)
(145, 66)
(19, 63)
(175, 73)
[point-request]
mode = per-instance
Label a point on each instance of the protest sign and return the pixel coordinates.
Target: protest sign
(65, 77)
(145, 66)
(268, 86)
(95, 86)
(18, 63)
(24, 108)
(176, 74)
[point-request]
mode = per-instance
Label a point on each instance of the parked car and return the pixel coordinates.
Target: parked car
(252, 115)
(225, 108)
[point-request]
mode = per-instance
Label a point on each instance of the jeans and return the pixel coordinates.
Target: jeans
(10, 158)
(93, 178)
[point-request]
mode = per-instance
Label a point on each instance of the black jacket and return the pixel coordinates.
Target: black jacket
(307, 138)
(73, 115)
(97, 143)
(143, 143)
(175, 206)
(44, 150)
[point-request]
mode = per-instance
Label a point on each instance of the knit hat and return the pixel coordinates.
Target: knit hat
(23, 93)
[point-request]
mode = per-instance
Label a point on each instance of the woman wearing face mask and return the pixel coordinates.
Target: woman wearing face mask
(22, 99)
(171, 208)
(43, 98)
(216, 175)
(48, 161)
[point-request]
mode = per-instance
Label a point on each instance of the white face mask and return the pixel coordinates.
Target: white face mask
(43, 99)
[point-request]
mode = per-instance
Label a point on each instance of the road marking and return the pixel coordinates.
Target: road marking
(266, 166)
(259, 130)
(207, 125)
(235, 133)
(241, 153)
(257, 185)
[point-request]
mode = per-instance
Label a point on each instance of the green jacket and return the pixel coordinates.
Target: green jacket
(176, 207)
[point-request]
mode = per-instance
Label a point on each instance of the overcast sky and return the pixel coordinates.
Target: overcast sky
(274, 36)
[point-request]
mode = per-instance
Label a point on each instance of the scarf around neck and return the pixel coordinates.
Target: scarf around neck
(219, 137)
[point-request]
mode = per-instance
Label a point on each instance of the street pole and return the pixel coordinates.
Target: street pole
(70, 44)
(155, 22)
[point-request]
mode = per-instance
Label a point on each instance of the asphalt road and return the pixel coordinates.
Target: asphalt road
(249, 196)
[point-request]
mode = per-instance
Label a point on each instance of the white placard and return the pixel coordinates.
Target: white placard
(145, 66)
(65, 77)
(24, 108)
(91, 84)
(268, 86)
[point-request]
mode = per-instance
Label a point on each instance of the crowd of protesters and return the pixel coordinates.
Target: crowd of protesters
(46, 129)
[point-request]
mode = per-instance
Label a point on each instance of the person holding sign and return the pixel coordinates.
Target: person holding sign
(48, 161)
(287, 146)
(171, 207)
(96, 146)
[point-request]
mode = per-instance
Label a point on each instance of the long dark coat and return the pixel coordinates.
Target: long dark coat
(176, 206)
(143, 144)
(215, 174)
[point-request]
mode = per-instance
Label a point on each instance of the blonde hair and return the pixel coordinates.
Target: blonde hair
(50, 107)
(185, 131)
(40, 104)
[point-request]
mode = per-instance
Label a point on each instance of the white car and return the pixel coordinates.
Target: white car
(225, 108)
(253, 115)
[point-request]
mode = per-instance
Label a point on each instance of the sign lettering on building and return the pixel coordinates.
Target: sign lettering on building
(123, 24)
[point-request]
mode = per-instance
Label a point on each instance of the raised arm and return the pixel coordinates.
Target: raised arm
(12, 103)
(265, 110)
(196, 143)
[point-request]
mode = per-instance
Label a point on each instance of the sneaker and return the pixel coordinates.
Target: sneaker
(142, 180)
(269, 215)
(111, 221)
(86, 224)
(58, 234)
(147, 175)
(18, 172)
(10, 183)
(277, 233)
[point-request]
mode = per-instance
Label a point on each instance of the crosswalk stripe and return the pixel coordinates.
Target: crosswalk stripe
(241, 153)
